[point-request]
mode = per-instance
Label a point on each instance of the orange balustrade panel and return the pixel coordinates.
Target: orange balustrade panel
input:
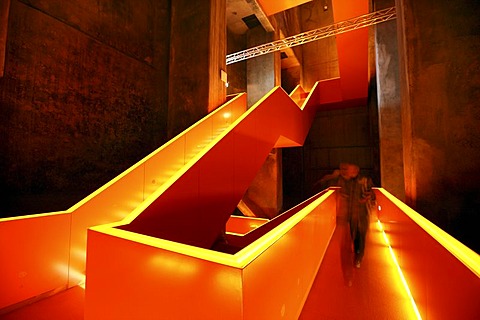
(34, 256)
(134, 276)
(194, 206)
(241, 225)
(352, 50)
(30, 246)
(443, 275)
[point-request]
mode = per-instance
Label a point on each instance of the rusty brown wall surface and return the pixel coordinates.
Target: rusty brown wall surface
(217, 53)
(338, 136)
(84, 97)
(127, 26)
(320, 66)
(389, 108)
(4, 11)
(265, 193)
(197, 53)
(236, 72)
(441, 99)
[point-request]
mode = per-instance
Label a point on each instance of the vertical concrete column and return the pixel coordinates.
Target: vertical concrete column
(263, 74)
(198, 48)
(389, 104)
(4, 10)
(440, 83)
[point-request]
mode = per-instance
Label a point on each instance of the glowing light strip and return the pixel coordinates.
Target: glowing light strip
(226, 106)
(238, 260)
(249, 253)
(399, 270)
(34, 216)
(464, 254)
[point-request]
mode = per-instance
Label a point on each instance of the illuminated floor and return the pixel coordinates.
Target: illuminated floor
(375, 291)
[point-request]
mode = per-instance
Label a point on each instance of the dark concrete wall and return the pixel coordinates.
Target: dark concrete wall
(236, 72)
(348, 135)
(321, 56)
(83, 97)
(262, 75)
(197, 54)
(440, 50)
(389, 104)
(339, 136)
(336, 136)
(4, 11)
(288, 22)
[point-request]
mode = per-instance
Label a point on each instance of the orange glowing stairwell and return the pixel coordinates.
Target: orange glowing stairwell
(181, 221)
(52, 247)
(216, 182)
(196, 205)
(162, 248)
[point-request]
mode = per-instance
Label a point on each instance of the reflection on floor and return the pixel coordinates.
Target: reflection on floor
(375, 290)
(341, 291)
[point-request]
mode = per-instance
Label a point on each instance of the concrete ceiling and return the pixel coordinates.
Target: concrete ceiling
(241, 13)
(240, 10)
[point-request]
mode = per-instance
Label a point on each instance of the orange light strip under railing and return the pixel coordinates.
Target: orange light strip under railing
(238, 260)
(399, 270)
(467, 256)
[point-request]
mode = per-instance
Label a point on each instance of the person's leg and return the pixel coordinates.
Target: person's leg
(360, 239)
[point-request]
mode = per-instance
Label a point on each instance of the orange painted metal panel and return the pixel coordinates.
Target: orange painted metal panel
(352, 50)
(277, 282)
(242, 225)
(164, 164)
(132, 280)
(34, 256)
(242, 240)
(195, 207)
(112, 202)
(443, 287)
(136, 276)
(271, 7)
(330, 91)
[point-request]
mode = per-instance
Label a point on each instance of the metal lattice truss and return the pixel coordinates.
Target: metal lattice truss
(313, 35)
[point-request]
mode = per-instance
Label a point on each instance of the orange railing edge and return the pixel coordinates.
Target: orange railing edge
(463, 253)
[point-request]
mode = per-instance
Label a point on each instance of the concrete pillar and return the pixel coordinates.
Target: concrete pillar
(197, 56)
(389, 104)
(321, 55)
(263, 73)
(4, 9)
(440, 81)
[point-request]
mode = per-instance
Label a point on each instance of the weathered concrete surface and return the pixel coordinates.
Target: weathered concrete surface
(265, 194)
(83, 97)
(4, 11)
(389, 105)
(263, 74)
(236, 72)
(338, 136)
(440, 77)
(320, 56)
(197, 54)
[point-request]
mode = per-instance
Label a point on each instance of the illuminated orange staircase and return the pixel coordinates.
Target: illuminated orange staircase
(194, 208)
(56, 242)
(150, 229)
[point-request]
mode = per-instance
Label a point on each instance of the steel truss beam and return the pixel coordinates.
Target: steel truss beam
(313, 35)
